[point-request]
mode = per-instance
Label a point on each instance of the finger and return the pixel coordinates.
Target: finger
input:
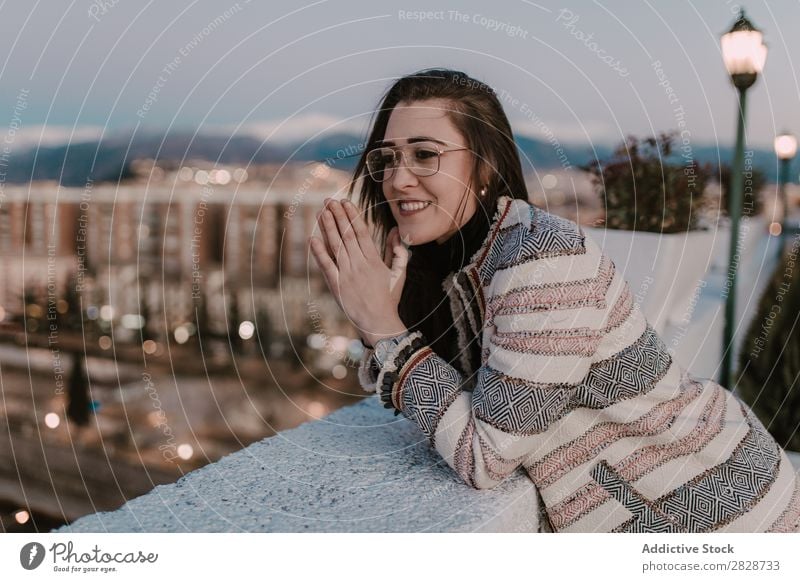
(338, 250)
(326, 265)
(324, 235)
(391, 240)
(362, 234)
(346, 231)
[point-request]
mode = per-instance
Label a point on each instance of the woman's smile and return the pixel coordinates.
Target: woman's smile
(412, 208)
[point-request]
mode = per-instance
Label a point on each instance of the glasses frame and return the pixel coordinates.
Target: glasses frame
(401, 149)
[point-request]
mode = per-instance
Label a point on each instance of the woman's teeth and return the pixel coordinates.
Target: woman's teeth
(411, 206)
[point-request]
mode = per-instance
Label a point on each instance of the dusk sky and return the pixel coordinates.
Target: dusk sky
(83, 67)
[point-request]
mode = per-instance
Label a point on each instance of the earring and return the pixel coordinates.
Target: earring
(483, 192)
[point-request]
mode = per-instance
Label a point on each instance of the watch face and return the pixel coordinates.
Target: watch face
(385, 346)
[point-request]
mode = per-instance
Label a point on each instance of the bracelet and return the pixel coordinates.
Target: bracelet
(390, 377)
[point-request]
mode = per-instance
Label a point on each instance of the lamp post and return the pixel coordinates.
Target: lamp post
(785, 149)
(744, 54)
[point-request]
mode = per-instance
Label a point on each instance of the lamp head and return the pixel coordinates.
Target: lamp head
(744, 52)
(785, 146)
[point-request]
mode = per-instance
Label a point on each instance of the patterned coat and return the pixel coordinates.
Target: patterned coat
(576, 387)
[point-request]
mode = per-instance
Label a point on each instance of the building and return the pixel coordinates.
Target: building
(168, 241)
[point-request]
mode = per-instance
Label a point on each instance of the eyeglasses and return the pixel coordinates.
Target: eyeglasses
(424, 159)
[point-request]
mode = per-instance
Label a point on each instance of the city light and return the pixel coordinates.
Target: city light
(201, 177)
(221, 177)
(149, 347)
(246, 330)
(132, 321)
(317, 409)
(185, 451)
(107, 313)
(52, 420)
(316, 341)
(156, 417)
(22, 516)
(339, 343)
(549, 181)
(339, 372)
(181, 334)
(33, 310)
(105, 342)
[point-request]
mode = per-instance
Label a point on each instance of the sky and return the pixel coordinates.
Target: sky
(589, 72)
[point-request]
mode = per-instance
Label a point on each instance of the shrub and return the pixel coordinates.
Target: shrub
(644, 187)
(769, 363)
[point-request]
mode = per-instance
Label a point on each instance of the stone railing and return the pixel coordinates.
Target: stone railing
(360, 469)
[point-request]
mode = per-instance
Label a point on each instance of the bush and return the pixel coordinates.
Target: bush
(769, 363)
(644, 188)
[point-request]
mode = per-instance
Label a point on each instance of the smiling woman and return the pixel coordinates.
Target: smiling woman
(510, 340)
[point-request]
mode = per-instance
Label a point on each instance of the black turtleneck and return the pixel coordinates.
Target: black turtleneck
(424, 306)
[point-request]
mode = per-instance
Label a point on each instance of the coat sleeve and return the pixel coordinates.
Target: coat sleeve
(544, 322)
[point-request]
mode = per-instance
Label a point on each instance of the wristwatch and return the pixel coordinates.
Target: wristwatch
(384, 346)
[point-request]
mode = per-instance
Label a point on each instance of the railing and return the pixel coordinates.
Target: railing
(360, 469)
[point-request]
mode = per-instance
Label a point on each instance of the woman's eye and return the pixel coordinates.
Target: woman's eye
(424, 154)
(387, 158)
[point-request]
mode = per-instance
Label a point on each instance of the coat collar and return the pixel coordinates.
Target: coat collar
(464, 289)
(478, 259)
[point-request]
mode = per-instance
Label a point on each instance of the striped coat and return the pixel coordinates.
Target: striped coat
(576, 387)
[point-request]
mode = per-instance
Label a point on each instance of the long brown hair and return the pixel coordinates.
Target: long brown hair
(477, 114)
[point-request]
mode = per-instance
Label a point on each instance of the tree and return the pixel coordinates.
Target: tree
(644, 187)
(78, 393)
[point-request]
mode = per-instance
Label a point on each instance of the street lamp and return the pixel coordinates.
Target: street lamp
(785, 149)
(744, 54)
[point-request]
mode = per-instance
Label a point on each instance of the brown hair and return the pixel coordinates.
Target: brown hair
(477, 114)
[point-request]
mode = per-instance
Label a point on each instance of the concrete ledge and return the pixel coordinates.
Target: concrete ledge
(360, 469)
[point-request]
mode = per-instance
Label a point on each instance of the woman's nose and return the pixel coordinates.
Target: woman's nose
(402, 176)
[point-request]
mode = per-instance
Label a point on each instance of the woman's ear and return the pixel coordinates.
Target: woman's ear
(485, 172)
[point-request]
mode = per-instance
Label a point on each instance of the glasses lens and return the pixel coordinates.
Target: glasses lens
(380, 163)
(424, 159)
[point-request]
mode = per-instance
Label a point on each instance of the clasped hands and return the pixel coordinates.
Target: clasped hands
(366, 286)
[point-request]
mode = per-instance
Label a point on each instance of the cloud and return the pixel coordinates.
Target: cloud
(52, 135)
(294, 129)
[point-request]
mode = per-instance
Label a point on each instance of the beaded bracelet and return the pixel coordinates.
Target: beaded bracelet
(389, 378)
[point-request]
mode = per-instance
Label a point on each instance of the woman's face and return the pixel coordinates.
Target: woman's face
(445, 190)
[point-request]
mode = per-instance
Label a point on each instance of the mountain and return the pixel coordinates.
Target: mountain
(109, 159)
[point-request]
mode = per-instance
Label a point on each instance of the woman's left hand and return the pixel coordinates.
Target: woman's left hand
(364, 287)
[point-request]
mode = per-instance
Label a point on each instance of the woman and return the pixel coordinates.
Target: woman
(509, 338)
